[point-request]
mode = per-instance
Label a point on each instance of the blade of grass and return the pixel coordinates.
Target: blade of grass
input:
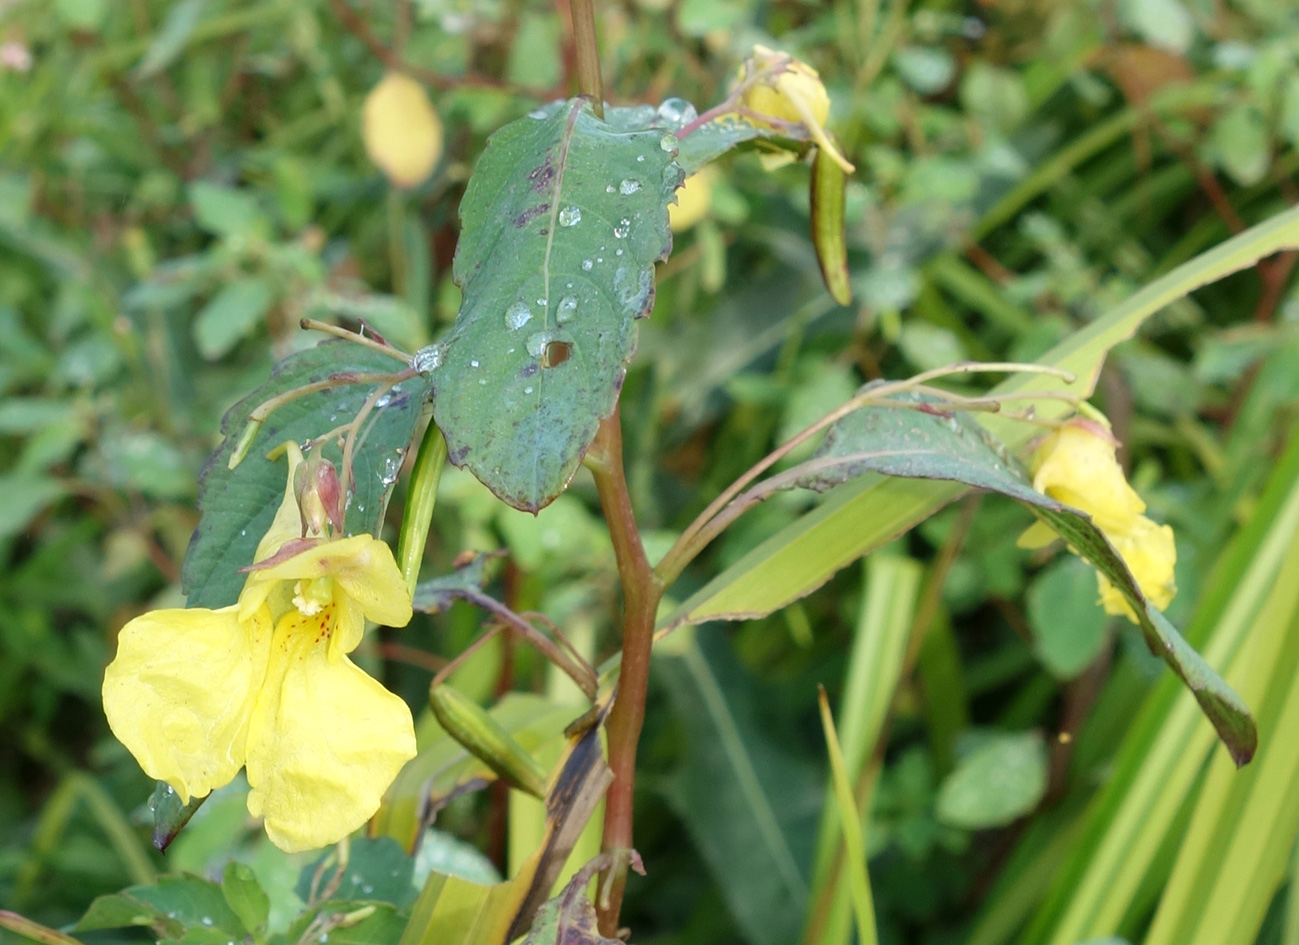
(850, 820)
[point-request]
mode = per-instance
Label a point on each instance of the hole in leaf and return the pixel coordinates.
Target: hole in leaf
(556, 353)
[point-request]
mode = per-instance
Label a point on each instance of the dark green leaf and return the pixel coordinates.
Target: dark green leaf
(564, 219)
(171, 907)
(237, 505)
(169, 815)
(377, 869)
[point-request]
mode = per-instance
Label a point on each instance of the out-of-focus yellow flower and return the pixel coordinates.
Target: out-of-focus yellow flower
(694, 197)
(402, 132)
(788, 91)
(1150, 554)
(266, 684)
(1077, 466)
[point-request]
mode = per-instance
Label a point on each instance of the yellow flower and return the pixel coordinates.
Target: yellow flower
(1077, 466)
(694, 197)
(791, 92)
(266, 684)
(402, 132)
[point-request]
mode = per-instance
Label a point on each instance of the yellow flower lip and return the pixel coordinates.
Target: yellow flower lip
(266, 684)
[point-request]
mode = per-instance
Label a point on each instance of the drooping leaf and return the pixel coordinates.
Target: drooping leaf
(170, 815)
(1000, 782)
(569, 918)
(564, 219)
(237, 505)
(911, 443)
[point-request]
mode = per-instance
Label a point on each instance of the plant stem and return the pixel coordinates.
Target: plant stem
(641, 592)
(589, 80)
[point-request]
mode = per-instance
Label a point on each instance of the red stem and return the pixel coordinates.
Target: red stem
(641, 592)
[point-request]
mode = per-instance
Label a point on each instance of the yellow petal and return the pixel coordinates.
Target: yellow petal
(180, 692)
(1077, 466)
(287, 523)
(364, 568)
(694, 197)
(324, 744)
(402, 132)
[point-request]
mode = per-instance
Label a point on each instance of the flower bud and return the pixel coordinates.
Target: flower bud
(781, 88)
(319, 495)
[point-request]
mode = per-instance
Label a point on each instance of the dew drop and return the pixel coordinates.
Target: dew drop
(668, 142)
(527, 390)
(567, 310)
(623, 228)
(517, 315)
(570, 216)
(586, 265)
(206, 920)
(609, 189)
(383, 401)
(640, 158)
(537, 342)
(628, 187)
(427, 359)
(619, 253)
(473, 363)
(677, 111)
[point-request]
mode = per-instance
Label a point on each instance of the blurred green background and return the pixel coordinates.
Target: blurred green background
(181, 182)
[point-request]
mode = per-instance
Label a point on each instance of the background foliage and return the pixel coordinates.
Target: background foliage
(180, 182)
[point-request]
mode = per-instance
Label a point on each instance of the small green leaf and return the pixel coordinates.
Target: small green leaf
(237, 505)
(999, 783)
(564, 219)
(171, 907)
(231, 315)
(225, 211)
(244, 895)
(1068, 626)
(169, 815)
(171, 40)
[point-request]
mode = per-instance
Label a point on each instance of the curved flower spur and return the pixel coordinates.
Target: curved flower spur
(266, 683)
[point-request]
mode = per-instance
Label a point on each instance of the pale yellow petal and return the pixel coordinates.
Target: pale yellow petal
(180, 692)
(325, 741)
(1150, 552)
(694, 197)
(1037, 535)
(287, 524)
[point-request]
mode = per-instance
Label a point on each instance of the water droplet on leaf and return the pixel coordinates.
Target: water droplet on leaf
(517, 315)
(570, 216)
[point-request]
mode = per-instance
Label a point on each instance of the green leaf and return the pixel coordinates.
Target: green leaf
(225, 211)
(564, 219)
(171, 40)
(377, 869)
(171, 907)
(1068, 626)
(703, 143)
(26, 495)
(231, 316)
(237, 505)
(244, 895)
(999, 783)
(749, 803)
(569, 918)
